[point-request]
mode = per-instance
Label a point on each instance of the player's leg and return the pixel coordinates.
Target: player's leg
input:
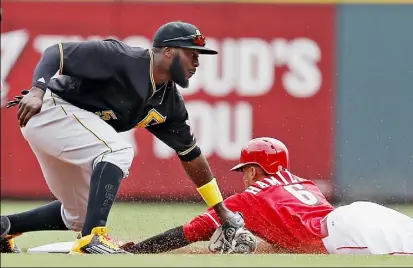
(48, 216)
(341, 229)
(82, 139)
(59, 177)
(99, 149)
(70, 184)
(384, 230)
(368, 228)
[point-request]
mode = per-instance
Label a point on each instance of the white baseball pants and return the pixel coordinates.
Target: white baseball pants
(368, 228)
(68, 142)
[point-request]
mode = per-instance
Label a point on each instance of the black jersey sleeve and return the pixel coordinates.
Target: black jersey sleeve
(46, 68)
(99, 59)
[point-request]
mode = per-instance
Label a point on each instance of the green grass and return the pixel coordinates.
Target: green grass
(185, 260)
(136, 221)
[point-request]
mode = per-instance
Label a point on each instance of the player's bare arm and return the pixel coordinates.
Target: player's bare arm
(177, 135)
(200, 173)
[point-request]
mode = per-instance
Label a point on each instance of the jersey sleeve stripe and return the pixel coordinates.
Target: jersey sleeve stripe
(188, 150)
(61, 57)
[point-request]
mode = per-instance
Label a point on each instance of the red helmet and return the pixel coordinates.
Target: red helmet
(268, 153)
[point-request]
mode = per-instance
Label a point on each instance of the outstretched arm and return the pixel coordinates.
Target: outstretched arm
(174, 239)
(200, 173)
(177, 135)
(167, 241)
(200, 228)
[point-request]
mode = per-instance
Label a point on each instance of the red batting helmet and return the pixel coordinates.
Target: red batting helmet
(268, 153)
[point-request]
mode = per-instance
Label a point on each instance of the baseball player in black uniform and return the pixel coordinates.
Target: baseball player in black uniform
(71, 123)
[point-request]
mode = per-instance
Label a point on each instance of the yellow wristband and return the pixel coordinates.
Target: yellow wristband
(210, 193)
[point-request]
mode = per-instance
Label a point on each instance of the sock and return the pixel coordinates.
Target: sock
(47, 217)
(104, 186)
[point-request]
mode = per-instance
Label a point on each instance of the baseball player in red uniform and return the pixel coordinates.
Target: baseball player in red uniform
(291, 214)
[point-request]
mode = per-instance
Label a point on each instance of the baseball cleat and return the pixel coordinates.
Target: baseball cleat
(97, 242)
(5, 227)
(7, 245)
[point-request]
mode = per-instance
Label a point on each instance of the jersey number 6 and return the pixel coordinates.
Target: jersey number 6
(299, 192)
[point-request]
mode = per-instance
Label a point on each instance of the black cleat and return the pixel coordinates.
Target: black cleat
(5, 227)
(7, 244)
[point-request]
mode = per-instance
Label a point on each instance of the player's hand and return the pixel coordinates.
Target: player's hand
(230, 221)
(17, 99)
(233, 222)
(29, 105)
(232, 237)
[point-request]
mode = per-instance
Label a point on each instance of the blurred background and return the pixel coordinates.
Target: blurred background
(332, 80)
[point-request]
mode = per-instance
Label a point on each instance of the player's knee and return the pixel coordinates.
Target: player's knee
(73, 221)
(122, 158)
(126, 156)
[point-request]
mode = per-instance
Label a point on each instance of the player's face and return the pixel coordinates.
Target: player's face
(177, 69)
(183, 65)
(190, 61)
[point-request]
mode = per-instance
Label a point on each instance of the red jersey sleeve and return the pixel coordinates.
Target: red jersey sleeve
(201, 227)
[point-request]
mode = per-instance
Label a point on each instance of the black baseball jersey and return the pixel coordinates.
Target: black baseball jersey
(115, 81)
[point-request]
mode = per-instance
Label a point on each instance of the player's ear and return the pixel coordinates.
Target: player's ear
(253, 172)
(169, 52)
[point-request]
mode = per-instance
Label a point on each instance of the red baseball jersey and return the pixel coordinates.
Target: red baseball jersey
(283, 210)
